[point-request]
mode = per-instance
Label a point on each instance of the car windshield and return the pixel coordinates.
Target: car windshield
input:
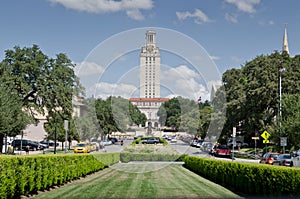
(274, 156)
(285, 156)
(222, 147)
(81, 144)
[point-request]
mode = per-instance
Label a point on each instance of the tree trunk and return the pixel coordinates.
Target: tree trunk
(1, 142)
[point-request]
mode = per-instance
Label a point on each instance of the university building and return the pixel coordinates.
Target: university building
(150, 100)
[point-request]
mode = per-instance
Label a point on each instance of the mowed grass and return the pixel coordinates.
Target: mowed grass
(141, 180)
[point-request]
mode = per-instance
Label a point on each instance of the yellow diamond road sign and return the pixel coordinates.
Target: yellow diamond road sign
(266, 141)
(265, 135)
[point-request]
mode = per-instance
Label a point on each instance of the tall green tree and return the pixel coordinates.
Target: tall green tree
(44, 85)
(290, 120)
(12, 119)
(117, 114)
(252, 94)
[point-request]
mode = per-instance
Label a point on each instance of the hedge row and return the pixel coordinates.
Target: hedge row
(24, 175)
(250, 179)
(127, 157)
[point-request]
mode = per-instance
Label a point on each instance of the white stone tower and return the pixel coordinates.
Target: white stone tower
(150, 68)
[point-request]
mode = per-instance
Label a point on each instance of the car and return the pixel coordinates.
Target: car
(199, 142)
(283, 160)
(82, 148)
(295, 159)
(194, 142)
(269, 158)
(113, 140)
(221, 150)
(206, 146)
(151, 140)
(106, 142)
(24, 142)
(49, 143)
(94, 146)
(173, 139)
(165, 137)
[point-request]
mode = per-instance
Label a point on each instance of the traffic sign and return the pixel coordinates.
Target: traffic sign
(255, 138)
(266, 141)
(265, 135)
(283, 141)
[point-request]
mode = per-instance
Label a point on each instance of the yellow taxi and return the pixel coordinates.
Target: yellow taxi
(82, 148)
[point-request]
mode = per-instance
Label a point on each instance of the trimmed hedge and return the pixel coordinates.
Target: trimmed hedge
(24, 175)
(127, 157)
(247, 178)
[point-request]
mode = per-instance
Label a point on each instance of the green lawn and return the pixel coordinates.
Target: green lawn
(141, 180)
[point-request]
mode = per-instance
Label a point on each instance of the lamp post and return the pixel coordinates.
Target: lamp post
(280, 71)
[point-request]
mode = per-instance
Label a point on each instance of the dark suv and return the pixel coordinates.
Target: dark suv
(32, 145)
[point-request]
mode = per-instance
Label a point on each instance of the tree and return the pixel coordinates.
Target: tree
(291, 120)
(185, 115)
(12, 119)
(252, 94)
(116, 114)
(43, 85)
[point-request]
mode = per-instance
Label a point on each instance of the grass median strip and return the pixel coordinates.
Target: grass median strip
(141, 180)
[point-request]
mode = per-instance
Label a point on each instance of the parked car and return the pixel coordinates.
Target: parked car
(283, 160)
(295, 159)
(49, 143)
(106, 142)
(269, 158)
(32, 145)
(113, 140)
(82, 148)
(199, 142)
(173, 139)
(221, 150)
(206, 146)
(194, 142)
(151, 140)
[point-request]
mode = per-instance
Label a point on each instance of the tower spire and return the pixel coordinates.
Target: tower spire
(285, 46)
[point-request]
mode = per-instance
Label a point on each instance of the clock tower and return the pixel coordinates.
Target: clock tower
(150, 68)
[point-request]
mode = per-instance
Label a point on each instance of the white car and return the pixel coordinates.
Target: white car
(295, 159)
(173, 140)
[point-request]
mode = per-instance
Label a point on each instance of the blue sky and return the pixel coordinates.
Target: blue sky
(231, 32)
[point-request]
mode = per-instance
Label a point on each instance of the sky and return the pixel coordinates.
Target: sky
(199, 39)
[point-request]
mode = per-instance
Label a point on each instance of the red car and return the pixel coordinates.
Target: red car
(269, 158)
(221, 150)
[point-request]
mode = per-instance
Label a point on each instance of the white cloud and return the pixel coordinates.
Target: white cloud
(182, 81)
(198, 16)
(244, 5)
(88, 68)
(104, 90)
(131, 7)
(231, 18)
(214, 57)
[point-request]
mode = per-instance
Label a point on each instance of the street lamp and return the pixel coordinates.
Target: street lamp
(280, 71)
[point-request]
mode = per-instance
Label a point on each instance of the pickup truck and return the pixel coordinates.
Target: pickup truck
(295, 159)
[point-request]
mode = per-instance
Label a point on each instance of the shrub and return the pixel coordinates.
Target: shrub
(248, 178)
(24, 175)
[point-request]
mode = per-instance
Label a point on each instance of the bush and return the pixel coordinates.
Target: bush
(24, 175)
(248, 178)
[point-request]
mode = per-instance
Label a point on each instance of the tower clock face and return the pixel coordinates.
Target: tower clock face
(150, 48)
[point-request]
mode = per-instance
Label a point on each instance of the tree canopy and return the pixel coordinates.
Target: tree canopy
(38, 84)
(252, 94)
